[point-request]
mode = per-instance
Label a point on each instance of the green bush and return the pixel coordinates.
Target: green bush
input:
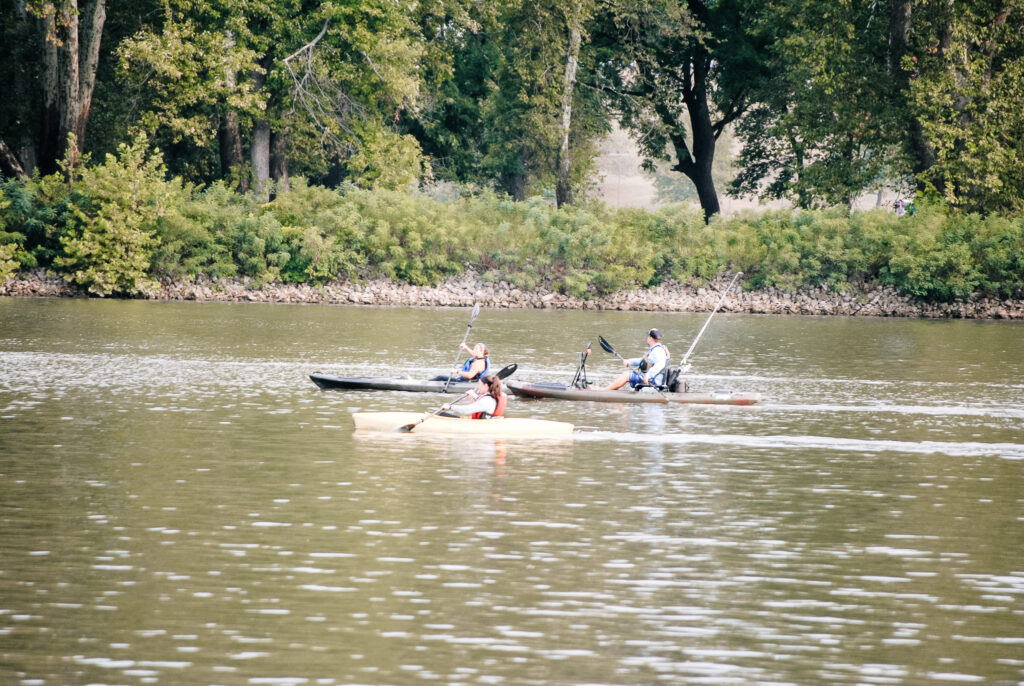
(9, 244)
(108, 228)
(934, 261)
(117, 226)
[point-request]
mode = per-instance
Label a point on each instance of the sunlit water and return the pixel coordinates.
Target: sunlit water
(181, 505)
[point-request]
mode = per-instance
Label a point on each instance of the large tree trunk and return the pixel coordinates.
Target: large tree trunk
(563, 186)
(704, 142)
(68, 79)
(25, 139)
(695, 165)
(71, 109)
(517, 184)
(259, 155)
(917, 149)
(279, 160)
(259, 150)
(232, 162)
(50, 144)
(517, 187)
(92, 61)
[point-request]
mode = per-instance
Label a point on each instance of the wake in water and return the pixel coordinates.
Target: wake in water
(1006, 451)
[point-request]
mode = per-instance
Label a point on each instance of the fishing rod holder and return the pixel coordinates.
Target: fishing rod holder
(580, 380)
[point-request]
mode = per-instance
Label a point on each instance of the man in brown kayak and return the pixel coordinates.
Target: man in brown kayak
(651, 368)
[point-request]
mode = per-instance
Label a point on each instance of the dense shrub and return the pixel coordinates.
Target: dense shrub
(116, 227)
(107, 229)
(9, 244)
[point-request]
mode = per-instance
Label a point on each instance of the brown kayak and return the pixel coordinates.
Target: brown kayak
(628, 395)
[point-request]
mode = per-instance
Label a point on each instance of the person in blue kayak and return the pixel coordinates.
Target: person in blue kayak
(472, 369)
(487, 401)
(650, 369)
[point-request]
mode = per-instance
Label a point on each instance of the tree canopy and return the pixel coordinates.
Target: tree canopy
(825, 100)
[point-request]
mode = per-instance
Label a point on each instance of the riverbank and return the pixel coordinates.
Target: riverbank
(468, 288)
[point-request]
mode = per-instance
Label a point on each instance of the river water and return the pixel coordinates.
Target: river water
(181, 505)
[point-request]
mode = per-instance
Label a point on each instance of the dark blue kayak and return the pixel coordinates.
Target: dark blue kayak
(387, 383)
(384, 383)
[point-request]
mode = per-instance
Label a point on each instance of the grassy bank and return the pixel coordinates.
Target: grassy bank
(121, 226)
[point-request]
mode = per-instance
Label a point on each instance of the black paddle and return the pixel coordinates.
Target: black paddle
(472, 317)
(503, 373)
(609, 349)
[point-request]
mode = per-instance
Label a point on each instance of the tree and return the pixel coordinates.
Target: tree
(679, 74)
(504, 105)
(673, 187)
(317, 85)
(829, 126)
(923, 95)
(190, 77)
(50, 64)
(460, 51)
(353, 81)
(576, 13)
(966, 94)
(112, 210)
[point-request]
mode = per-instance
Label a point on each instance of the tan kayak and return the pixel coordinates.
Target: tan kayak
(499, 426)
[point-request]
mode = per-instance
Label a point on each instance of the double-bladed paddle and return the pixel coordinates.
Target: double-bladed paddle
(503, 373)
(472, 317)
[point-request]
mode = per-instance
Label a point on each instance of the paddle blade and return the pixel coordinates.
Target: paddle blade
(507, 371)
(405, 429)
(476, 311)
(606, 345)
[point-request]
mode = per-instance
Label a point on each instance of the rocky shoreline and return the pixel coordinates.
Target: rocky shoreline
(468, 288)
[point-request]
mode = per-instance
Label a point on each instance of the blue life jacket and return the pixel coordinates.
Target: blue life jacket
(469, 363)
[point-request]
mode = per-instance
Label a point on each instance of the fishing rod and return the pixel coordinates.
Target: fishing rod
(684, 365)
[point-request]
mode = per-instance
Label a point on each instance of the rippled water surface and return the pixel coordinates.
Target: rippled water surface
(181, 505)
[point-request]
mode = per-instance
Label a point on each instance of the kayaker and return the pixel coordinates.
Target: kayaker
(488, 400)
(474, 368)
(651, 367)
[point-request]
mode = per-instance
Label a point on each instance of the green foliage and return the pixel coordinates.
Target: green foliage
(9, 244)
(967, 96)
(190, 242)
(826, 128)
(946, 257)
(119, 226)
(109, 227)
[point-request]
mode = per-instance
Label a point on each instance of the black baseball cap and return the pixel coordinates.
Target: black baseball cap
(655, 334)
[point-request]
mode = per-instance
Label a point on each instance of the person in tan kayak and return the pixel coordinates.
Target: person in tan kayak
(487, 401)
